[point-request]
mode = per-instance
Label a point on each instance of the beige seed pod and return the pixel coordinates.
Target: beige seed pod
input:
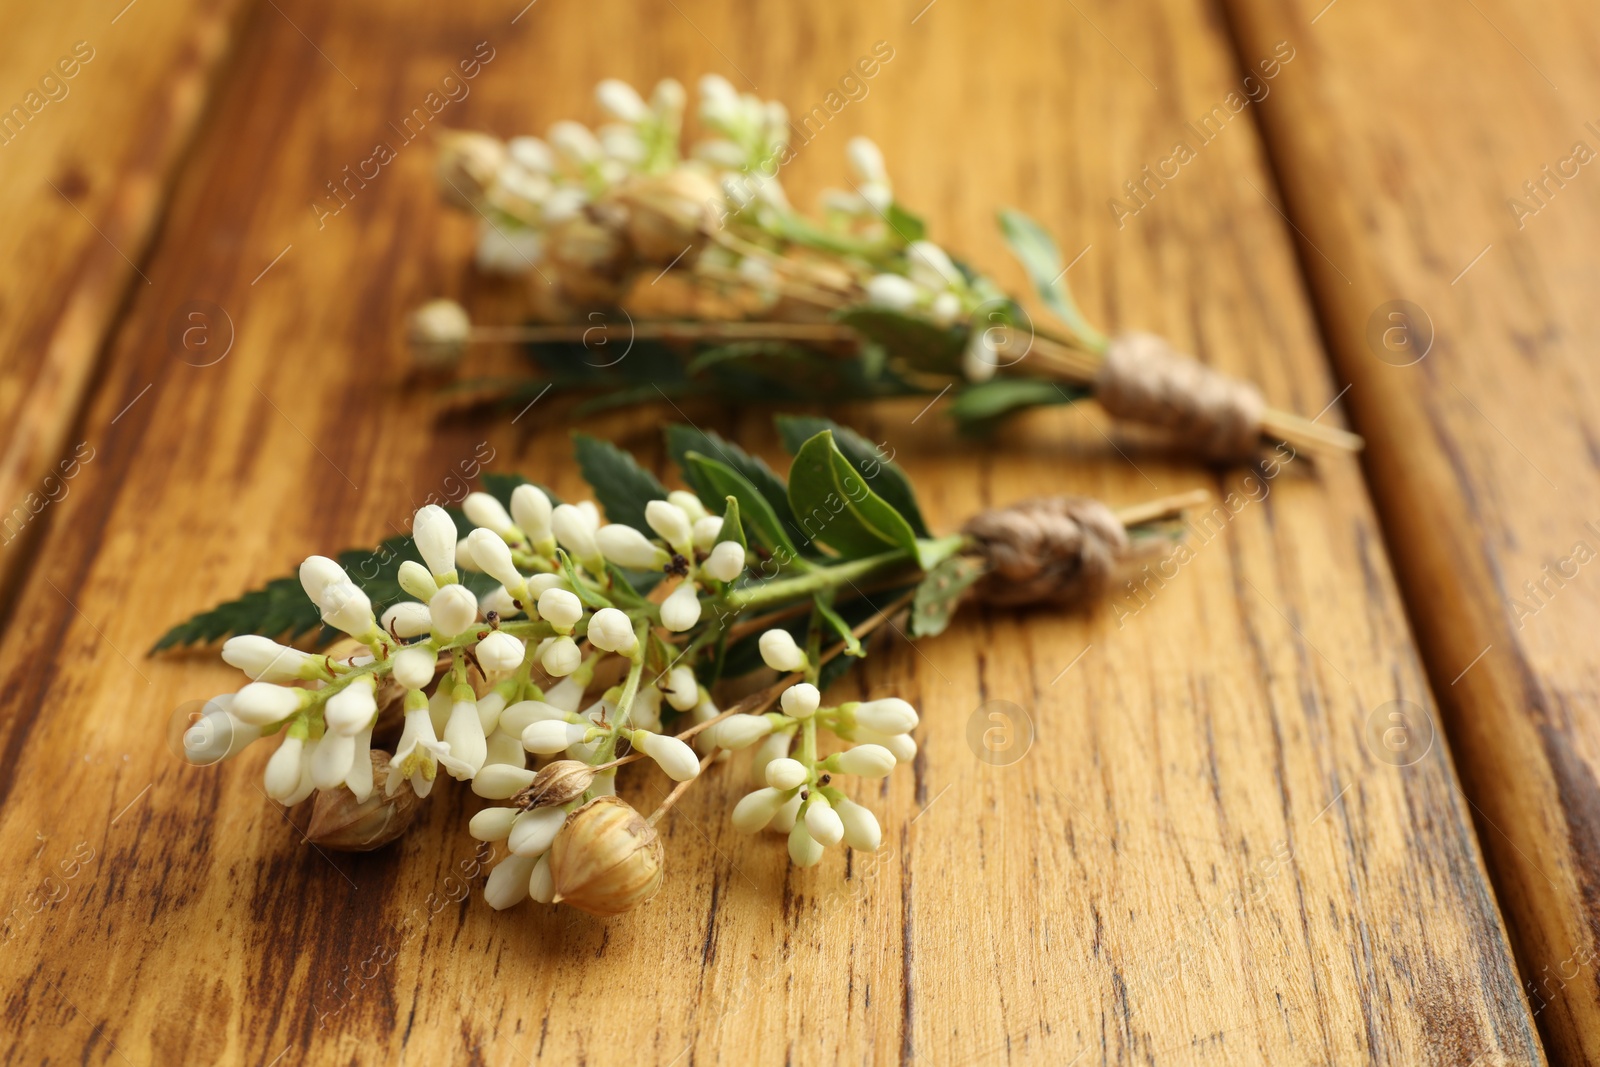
(606, 860)
(670, 214)
(589, 259)
(468, 165)
(556, 783)
(340, 821)
(437, 333)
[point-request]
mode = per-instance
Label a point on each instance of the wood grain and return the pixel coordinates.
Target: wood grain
(96, 106)
(1405, 145)
(1203, 857)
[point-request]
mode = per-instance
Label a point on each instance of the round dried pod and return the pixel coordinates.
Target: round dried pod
(589, 259)
(468, 165)
(670, 214)
(340, 821)
(606, 860)
(437, 333)
(556, 783)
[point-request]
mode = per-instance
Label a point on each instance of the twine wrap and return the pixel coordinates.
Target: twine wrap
(1146, 380)
(1051, 549)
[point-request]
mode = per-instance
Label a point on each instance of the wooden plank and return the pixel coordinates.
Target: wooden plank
(96, 107)
(1482, 449)
(1202, 857)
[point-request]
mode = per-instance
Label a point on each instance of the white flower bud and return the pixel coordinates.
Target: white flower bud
(671, 755)
(505, 749)
(981, 358)
(621, 101)
(519, 716)
(779, 651)
(531, 510)
(726, 561)
(507, 884)
(500, 653)
(740, 731)
(350, 710)
(407, 619)
(499, 602)
(861, 830)
(774, 746)
(541, 883)
(931, 266)
(485, 511)
(501, 781)
(756, 810)
(706, 532)
(611, 631)
(413, 667)
(800, 701)
(533, 831)
(888, 716)
(217, 734)
(681, 610)
(868, 761)
(282, 777)
(561, 657)
(784, 821)
(671, 523)
(332, 759)
(532, 154)
(561, 608)
(786, 774)
(946, 308)
(575, 529)
(468, 747)
(264, 660)
(493, 557)
(822, 822)
(682, 691)
(690, 504)
(866, 160)
(317, 574)
(804, 850)
(551, 736)
(892, 291)
(261, 703)
(415, 579)
(574, 141)
(627, 547)
(435, 534)
(453, 610)
(493, 824)
(464, 558)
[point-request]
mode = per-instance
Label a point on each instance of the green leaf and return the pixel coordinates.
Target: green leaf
(852, 643)
(585, 591)
(732, 528)
(940, 592)
(986, 401)
(620, 484)
(908, 225)
(836, 506)
(681, 440)
(1037, 253)
(885, 479)
(754, 510)
(912, 340)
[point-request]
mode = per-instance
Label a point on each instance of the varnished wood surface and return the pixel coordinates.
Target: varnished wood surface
(1405, 144)
(97, 104)
(1203, 857)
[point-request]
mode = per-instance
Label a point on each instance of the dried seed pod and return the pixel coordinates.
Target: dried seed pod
(468, 164)
(670, 213)
(340, 821)
(606, 860)
(437, 333)
(556, 783)
(589, 259)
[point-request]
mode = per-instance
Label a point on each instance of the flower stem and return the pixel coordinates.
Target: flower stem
(810, 582)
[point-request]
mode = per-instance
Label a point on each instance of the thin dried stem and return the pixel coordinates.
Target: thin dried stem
(1161, 508)
(679, 789)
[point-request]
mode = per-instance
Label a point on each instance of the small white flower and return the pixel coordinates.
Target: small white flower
(877, 196)
(622, 144)
(493, 824)
(317, 574)
(351, 709)
(533, 831)
(493, 557)
(784, 820)
(345, 607)
(786, 774)
(550, 736)
(681, 610)
(668, 97)
(561, 657)
(822, 822)
(611, 631)
(261, 703)
(413, 666)
(565, 203)
(804, 850)
(505, 749)
(507, 250)
(531, 509)
(532, 154)
(726, 561)
(575, 528)
(464, 558)
(866, 160)
(485, 511)
(332, 760)
(740, 731)
(621, 101)
(706, 532)
(519, 716)
(774, 746)
(498, 602)
(264, 660)
(217, 734)
(690, 504)
(541, 883)
(868, 761)
(888, 716)
(981, 358)
(282, 777)
(892, 291)
(931, 267)
(453, 610)
(800, 701)
(861, 830)
(682, 691)
(415, 579)
(757, 809)
(627, 547)
(416, 757)
(561, 608)
(435, 534)
(779, 651)
(574, 141)
(463, 735)
(671, 523)
(407, 619)
(490, 705)
(501, 781)
(359, 778)
(671, 755)
(946, 308)
(500, 653)
(507, 884)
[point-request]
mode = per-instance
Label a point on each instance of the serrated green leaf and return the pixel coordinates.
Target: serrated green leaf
(835, 505)
(997, 397)
(940, 592)
(732, 528)
(1037, 252)
(912, 340)
(621, 486)
(881, 474)
(755, 512)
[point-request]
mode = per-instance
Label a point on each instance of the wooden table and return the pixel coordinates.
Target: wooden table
(1204, 856)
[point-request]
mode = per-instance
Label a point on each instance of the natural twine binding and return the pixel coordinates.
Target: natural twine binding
(1145, 379)
(1052, 549)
